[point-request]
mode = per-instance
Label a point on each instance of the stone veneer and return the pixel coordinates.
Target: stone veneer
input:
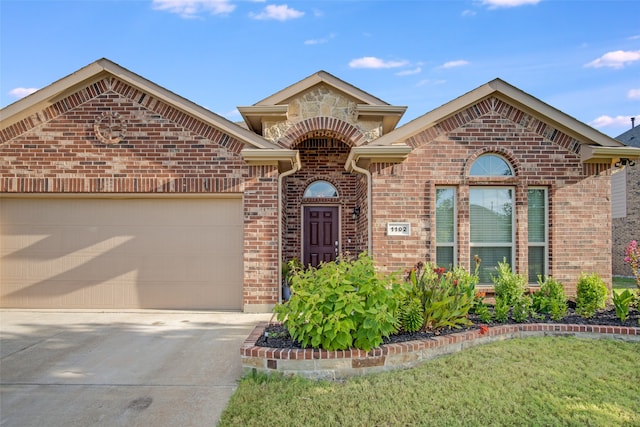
(323, 364)
(321, 101)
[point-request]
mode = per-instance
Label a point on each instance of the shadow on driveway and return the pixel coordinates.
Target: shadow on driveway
(96, 368)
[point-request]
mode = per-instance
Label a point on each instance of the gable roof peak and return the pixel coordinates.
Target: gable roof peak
(103, 67)
(321, 76)
(512, 95)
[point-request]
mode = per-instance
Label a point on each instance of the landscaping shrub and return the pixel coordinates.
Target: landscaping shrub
(591, 294)
(550, 298)
(622, 301)
(510, 288)
(411, 315)
(340, 305)
(481, 309)
(445, 297)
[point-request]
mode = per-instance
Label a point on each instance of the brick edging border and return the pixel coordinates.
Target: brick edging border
(323, 364)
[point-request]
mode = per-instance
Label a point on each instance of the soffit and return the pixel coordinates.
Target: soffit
(102, 68)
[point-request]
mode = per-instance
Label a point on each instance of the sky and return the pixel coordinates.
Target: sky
(580, 56)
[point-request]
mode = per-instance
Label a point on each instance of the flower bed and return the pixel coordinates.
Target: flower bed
(323, 364)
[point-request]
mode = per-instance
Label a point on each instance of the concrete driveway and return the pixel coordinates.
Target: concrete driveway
(95, 368)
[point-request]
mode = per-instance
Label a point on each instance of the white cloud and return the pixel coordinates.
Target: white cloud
(468, 12)
(633, 94)
(279, 13)
(616, 59)
(21, 92)
(192, 8)
(429, 82)
(373, 62)
(495, 4)
(454, 64)
(608, 121)
(417, 70)
(319, 41)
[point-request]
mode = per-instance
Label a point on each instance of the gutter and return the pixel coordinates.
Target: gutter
(295, 168)
(367, 173)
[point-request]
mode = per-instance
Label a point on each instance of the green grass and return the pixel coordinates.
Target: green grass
(624, 283)
(524, 382)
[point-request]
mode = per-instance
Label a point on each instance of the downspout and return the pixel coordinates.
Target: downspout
(369, 205)
(296, 168)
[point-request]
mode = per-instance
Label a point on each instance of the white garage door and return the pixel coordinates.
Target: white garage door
(121, 253)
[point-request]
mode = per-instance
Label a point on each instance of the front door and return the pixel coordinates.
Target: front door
(320, 234)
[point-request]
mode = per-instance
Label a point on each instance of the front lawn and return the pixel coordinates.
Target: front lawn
(533, 381)
(624, 283)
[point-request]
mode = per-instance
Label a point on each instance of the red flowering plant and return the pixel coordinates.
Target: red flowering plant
(436, 298)
(632, 257)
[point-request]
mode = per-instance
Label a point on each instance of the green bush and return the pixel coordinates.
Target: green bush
(481, 309)
(622, 301)
(591, 295)
(522, 309)
(507, 285)
(446, 298)
(501, 311)
(340, 305)
(411, 315)
(550, 298)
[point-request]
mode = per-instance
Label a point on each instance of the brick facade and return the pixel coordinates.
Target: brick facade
(579, 216)
(172, 147)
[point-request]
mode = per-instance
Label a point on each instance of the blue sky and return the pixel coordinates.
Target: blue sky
(582, 57)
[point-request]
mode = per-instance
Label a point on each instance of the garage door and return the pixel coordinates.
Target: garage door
(121, 253)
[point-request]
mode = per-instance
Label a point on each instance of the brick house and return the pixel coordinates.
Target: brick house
(117, 193)
(625, 205)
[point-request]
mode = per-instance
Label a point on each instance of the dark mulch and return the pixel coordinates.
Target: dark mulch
(277, 336)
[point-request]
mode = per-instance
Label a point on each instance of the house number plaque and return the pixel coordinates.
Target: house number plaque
(398, 229)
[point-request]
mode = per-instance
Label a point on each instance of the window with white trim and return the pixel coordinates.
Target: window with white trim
(492, 228)
(320, 189)
(538, 231)
(446, 227)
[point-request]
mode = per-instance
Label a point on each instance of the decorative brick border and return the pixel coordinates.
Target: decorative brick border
(322, 364)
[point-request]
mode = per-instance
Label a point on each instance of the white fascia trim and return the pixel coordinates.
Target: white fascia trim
(377, 154)
(265, 157)
(598, 154)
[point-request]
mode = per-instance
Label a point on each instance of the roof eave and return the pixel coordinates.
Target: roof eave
(364, 155)
(254, 115)
(390, 114)
(610, 155)
(283, 158)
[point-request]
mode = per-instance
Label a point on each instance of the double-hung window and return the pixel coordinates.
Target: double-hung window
(446, 227)
(491, 227)
(538, 233)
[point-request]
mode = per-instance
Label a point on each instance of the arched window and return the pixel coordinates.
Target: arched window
(490, 165)
(320, 189)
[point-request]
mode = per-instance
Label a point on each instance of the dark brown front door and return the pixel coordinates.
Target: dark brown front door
(320, 234)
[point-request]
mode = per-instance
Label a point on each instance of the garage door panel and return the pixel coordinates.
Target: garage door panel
(121, 253)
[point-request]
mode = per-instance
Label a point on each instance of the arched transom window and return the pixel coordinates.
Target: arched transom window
(320, 189)
(491, 165)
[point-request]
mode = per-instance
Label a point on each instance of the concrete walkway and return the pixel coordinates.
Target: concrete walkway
(96, 368)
